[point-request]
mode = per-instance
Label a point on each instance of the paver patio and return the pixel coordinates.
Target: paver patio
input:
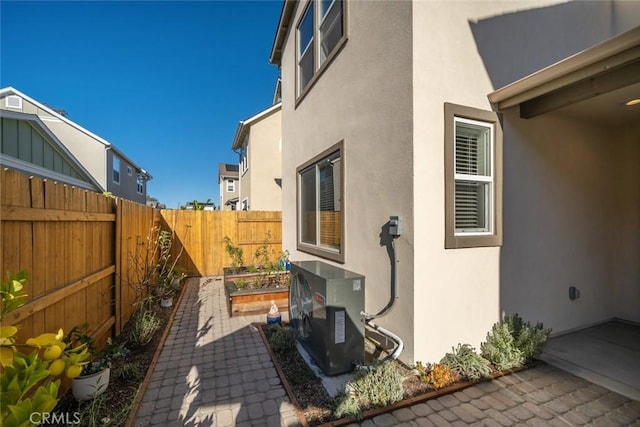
(215, 371)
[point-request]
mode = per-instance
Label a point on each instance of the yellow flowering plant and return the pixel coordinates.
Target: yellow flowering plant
(25, 366)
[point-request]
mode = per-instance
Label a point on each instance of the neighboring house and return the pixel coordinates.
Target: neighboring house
(259, 146)
(388, 109)
(200, 206)
(154, 203)
(228, 181)
(27, 145)
(109, 167)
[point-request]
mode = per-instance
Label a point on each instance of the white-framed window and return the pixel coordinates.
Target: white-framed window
(473, 193)
(116, 169)
(129, 171)
(244, 157)
(231, 185)
(140, 184)
(13, 101)
(320, 205)
(319, 34)
(473, 164)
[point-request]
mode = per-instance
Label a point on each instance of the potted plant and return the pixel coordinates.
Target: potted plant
(95, 375)
(170, 286)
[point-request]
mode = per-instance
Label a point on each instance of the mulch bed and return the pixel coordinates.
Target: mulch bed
(128, 379)
(315, 406)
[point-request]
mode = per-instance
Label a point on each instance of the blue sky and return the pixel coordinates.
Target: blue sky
(165, 82)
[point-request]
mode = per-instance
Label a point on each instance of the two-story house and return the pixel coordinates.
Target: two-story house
(505, 136)
(258, 143)
(47, 143)
(228, 183)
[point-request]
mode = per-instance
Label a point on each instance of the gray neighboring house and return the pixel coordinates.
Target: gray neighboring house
(107, 166)
(229, 186)
(258, 142)
(505, 136)
(27, 145)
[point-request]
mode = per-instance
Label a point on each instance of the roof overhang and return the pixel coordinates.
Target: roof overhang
(13, 91)
(244, 125)
(36, 122)
(602, 69)
(286, 15)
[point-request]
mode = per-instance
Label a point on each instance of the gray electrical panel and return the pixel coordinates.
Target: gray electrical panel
(324, 308)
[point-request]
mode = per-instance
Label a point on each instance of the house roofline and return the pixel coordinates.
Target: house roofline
(244, 125)
(611, 53)
(9, 90)
(42, 127)
(288, 6)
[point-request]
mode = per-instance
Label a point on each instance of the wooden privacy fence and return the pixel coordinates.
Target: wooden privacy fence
(78, 248)
(202, 234)
(64, 237)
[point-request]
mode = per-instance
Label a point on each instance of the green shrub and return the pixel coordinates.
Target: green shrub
(378, 386)
(145, 325)
(281, 338)
(500, 348)
(465, 362)
(528, 339)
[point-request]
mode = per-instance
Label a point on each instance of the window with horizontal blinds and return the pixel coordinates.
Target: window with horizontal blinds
(473, 176)
(320, 206)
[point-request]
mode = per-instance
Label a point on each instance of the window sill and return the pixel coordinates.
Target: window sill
(322, 253)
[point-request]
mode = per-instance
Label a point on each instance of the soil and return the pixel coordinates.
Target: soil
(312, 398)
(127, 374)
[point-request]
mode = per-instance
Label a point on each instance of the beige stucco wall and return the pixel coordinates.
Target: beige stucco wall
(88, 151)
(363, 98)
(457, 290)
(572, 213)
(264, 165)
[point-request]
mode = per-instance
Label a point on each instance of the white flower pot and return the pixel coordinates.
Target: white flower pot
(89, 386)
(166, 302)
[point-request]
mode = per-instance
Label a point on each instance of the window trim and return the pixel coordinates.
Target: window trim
(317, 250)
(140, 184)
(455, 240)
(233, 185)
(318, 70)
(129, 171)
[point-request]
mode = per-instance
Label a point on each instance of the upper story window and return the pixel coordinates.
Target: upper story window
(129, 171)
(140, 184)
(473, 147)
(319, 33)
(116, 169)
(244, 157)
(320, 210)
(231, 186)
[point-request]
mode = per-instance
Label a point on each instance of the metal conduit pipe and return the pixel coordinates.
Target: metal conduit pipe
(367, 318)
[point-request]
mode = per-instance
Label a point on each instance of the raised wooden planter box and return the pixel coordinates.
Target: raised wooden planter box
(253, 301)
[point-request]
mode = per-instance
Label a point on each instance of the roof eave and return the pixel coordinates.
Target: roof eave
(286, 15)
(601, 57)
(244, 125)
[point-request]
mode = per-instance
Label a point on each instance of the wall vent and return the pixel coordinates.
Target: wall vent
(13, 101)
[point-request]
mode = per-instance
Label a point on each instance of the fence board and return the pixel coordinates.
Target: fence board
(79, 249)
(202, 235)
(50, 229)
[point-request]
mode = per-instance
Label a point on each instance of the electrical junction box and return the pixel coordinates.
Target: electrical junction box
(325, 303)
